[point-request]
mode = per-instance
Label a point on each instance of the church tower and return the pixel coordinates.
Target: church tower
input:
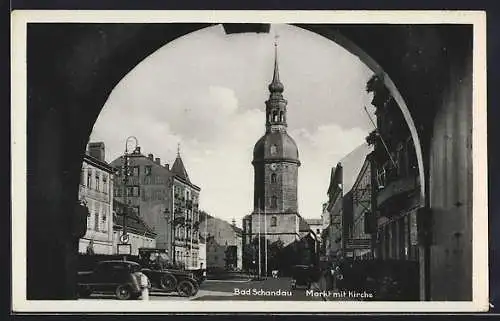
(276, 164)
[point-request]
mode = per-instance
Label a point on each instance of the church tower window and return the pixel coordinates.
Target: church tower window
(273, 178)
(273, 149)
(273, 221)
(274, 202)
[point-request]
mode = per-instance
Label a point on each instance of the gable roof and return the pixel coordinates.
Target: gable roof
(134, 221)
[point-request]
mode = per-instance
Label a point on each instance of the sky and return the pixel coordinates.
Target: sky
(207, 90)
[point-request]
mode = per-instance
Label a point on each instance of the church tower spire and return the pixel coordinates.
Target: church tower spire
(276, 104)
(276, 86)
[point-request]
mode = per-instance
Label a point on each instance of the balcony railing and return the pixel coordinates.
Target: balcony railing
(397, 188)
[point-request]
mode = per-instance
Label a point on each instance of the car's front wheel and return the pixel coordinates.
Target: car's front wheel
(123, 292)
(168, 282)
(186, 288)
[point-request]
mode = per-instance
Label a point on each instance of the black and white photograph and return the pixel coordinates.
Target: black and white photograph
(221, 161)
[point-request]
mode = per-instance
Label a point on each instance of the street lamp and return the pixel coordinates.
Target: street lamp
(168, 219)
(131, 141)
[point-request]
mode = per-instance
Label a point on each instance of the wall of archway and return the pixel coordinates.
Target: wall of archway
(84, 62)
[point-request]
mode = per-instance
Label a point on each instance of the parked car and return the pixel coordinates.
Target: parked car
(302, 276)
(158, 268)
(200, 275)
(121, 278)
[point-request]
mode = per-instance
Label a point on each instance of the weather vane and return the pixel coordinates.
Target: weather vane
(178, 149)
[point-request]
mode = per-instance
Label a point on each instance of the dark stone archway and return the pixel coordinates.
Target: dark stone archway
(72, 69)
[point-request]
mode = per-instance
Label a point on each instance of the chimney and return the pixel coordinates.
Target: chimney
(157, 161)
(167, 166)
(96, 150)
(150, 157)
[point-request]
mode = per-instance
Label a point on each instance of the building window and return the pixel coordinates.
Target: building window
(89, 178)
(133, 191)
(97, 181)
(274, 202)
(274, 221)
(104, 220)
(105, 183)
(273, 149)
(89, 221)
(273, 178)
(147, 170)
(96, 221)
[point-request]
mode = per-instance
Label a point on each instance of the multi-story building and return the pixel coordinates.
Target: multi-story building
(148, 189)
(186, 216)
(223, 243)
(332, 237)
(96, 190)
(140, 235)
(359, 240)
(397, 180)
(167, 201)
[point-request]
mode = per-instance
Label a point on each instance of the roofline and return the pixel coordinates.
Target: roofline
(118, 226)
(277, 159)
(182, 180)
(361, 172)
(98, 163)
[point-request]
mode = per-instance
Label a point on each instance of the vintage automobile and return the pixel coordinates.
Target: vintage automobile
(156, 266)
(121, 278)
(200, 275)
(301, 276)
(304, 275)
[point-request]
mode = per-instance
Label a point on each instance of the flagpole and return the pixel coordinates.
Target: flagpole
(260, 256)
(265, 242)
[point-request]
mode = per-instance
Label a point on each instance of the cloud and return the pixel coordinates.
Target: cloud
(319, 151)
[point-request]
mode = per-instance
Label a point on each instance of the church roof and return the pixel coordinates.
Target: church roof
(179, 169)
(276, 86)
(284, 145)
